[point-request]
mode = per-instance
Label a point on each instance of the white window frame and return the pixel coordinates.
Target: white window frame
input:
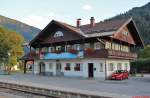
(97, 45)
(58, 47)
(50, 66)
(101, 67)
(111, 67)
(58, 34)
(86, 45)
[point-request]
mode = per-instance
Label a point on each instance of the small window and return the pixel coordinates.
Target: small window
(119, 66)
(58, 48)
(68, 47)
(125, 33)
(37, 50)
(77, 67)
(44, 49)
(50, 65)
(86, 45)
(101, 67)
(97, 45)
(58, 34)
(111, 67)
(68, 67)
(51, 49)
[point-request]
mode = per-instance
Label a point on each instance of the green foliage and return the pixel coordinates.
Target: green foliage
(10, 42)
(141, 65)
(28, 32)
(141, 16)
(145, 53)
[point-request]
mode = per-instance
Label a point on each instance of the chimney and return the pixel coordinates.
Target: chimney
(78, 22)
(92, 22)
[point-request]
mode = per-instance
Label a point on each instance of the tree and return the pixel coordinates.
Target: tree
(10, 42)
(145, 53)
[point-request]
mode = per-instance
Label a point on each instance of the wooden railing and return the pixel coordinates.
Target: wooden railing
(119, 54)
(106, 53)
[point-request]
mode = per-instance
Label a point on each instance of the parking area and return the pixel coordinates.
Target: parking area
(134, 86)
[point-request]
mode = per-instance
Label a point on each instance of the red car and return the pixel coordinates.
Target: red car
(120, 75)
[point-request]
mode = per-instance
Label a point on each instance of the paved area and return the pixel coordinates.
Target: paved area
(6, 95)
(134, 86)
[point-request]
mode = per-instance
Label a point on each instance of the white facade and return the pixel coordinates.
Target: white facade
(97, 69)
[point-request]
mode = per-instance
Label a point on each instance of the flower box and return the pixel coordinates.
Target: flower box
(89, 51)
(73, 51)
(58, 51)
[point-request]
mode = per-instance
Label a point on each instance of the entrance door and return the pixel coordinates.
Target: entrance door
(58, 68)
(90, 70)
(42, 68)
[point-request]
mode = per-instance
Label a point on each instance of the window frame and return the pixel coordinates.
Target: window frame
(101, 67)
(111, 67)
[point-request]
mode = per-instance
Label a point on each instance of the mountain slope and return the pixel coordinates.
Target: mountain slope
(28, 32)
(141, 16)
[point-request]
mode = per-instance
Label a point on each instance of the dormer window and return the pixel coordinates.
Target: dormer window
(58, 34)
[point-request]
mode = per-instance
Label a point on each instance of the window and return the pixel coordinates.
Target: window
(68, 47)
(101, 67)
(58, 48)
(51, 49)
(86, 45)
(50, 65)
(126, 66)
(76, 46)
(37, 50)
(108, 45)
(97, 45)
(119, 66)
(68, 67)
(77, 67)
(111, 67)
(44, 49)
(125, 33)
(58, 34)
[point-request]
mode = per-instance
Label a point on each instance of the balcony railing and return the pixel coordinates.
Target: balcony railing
(106, 53)
(102, 53)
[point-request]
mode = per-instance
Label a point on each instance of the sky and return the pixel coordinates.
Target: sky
(39, 13)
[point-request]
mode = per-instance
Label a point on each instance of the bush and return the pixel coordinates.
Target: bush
(141, 65)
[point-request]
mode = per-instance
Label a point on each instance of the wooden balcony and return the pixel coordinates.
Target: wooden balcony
(105, 53)
(102, 53)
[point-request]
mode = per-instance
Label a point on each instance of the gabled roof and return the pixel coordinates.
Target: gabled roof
(105, 28)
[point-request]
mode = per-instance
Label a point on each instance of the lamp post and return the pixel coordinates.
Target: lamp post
(9, 54)
(3, 66)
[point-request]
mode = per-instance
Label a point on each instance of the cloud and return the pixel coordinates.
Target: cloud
(87, 7)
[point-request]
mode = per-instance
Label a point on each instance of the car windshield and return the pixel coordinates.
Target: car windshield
(118, 71)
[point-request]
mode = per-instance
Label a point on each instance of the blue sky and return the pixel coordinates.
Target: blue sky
(39, 13)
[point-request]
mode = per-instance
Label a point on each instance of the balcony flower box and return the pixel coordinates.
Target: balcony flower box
(67, 68)
(58, 51)
(72, 51)
(89, 51)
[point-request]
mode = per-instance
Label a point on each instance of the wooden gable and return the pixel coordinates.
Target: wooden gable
(124, 35)
(46, 36)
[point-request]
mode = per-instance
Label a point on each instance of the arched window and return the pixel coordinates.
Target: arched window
(58, 34)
